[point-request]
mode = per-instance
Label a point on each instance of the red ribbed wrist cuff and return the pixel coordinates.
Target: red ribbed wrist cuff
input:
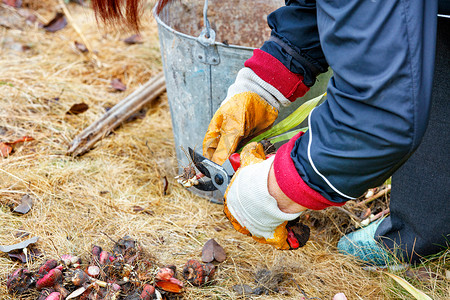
(272, 71)
(292, 184)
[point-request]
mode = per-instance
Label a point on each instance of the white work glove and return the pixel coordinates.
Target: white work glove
(250, 207)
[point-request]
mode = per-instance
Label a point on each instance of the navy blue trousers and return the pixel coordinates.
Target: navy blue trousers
(419, 223)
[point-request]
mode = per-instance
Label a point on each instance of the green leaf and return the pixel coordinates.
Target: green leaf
(294, 119)
(418, 294)
(286, 136)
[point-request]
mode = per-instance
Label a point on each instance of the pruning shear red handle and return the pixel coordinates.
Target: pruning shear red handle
(298, 234)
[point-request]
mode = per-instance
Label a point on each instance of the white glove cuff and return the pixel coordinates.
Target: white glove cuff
(249, 201)
(248, 81)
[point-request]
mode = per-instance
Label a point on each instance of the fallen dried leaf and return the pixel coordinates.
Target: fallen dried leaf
(21, 140)
(118, 85)
(21, 233)
(78, 108)
(5, 150)
(7, 147)
(213, 251)
(81, 47)
(26, 203)
(137, 208)
(166, 185)
(20, 245)
(3, 129)
(28, 257)
(137, 115)
(20, 256)
(134, 39)
(57, 23)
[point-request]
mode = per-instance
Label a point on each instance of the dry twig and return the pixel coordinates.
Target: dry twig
(352, 215)
(80, 33)
(116, 115)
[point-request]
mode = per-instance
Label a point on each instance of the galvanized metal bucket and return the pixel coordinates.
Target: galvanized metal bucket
(203, 47)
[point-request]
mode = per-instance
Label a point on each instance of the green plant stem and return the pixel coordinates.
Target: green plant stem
(291, 121)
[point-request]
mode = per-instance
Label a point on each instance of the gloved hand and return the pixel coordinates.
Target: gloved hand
(243, 115)
(252, 210)
(252, 104)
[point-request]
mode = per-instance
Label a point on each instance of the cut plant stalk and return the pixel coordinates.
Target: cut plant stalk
(381, 193)
(291, 121)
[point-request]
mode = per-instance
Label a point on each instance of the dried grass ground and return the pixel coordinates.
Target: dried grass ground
(79, 199)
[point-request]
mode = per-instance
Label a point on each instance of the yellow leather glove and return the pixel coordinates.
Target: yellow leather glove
(248, 204)
(243, 115)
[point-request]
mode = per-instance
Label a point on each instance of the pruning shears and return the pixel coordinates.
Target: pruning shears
(218, 177)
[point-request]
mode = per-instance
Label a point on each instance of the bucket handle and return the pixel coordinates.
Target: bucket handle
(207, 36)
(205, 19)
(206, 52)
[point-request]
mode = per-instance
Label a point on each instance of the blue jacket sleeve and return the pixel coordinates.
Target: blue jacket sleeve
(382, 56)
(295, 39)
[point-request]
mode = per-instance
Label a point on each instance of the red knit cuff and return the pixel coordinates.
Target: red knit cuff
(292, 184)
(272, 71)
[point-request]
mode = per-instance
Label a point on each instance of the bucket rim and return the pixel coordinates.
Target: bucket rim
(184, 35)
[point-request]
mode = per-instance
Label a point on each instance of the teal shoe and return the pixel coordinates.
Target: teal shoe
(361, 243)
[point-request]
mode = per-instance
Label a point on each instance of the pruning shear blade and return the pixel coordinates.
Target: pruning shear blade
(219, 176)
